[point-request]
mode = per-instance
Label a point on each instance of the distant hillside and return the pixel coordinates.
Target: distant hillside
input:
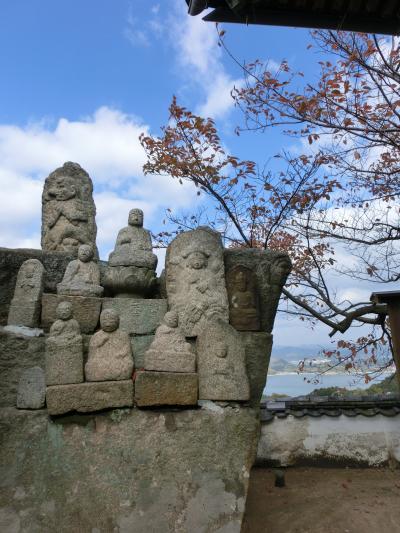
(296, 353)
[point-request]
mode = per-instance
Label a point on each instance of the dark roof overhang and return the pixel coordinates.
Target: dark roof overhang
(370, 16)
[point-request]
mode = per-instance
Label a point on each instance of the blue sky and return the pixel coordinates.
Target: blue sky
(80, 80)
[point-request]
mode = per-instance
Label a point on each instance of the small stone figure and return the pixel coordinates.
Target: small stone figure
(64, 351)
(110, 351)
(31, 389)
(68, 210)
(221, 362)
(82, 276)
(243, 303)
(169, 351)
(195, 279)
(26, 303)
(132, 264)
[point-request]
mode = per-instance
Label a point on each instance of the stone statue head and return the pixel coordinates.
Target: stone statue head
(171, 319)
(135, 218)
(109, 320)
(62, 188)
(197, 260)
(85, 253)
(29, 267)
(64, 311)
(220, 350)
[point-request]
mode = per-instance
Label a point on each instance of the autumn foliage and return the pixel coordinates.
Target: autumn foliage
(337, 196)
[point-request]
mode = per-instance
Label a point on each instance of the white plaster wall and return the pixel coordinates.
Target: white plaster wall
(372, 441)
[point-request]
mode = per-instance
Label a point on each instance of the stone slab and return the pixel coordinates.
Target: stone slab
(17, 353)
(86, 310)
(31, 389)
(140, 344)
(165, 388)
(87, 397)
(11, 260)
(137, 316)
(127, 470)
(258, 348)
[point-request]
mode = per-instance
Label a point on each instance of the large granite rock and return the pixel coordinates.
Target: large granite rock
(195, 279)
(64, 349)
(82, 275)
(68, 210)
(86, 310)
(270, 270)
(140, 345)
(88, 397)
(127, 470)
(17, 353)
(54, 264)
(165, 388)
(137, 316)
(26, 303)
(110, 351)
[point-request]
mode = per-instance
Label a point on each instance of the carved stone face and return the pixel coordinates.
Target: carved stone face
(220, 351)
(197, 260)
(64, 311)
(171, 319)
(109, 320)
(63, 188)
(29, 271)
(135, 218)
(85, 253)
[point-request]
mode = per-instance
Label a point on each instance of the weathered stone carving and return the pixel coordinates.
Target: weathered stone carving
(25, 305)
(86, 310)
(31, 389)
(82, 276)
(132, 264)
(137, 316)
(64, 349)
(110, 352)
(243, 299)
(195, 279)
(221, 363)
(169, 351)
(68, 210)
(270, 270)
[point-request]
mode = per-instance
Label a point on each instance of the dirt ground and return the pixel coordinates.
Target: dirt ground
(322, 500)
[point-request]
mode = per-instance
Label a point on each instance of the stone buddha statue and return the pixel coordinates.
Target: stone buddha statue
(169, 351)
(132, 264)
(82, 276)
(64, 349)
(110, 352)
(133, 246)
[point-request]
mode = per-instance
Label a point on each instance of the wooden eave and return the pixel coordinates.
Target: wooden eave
(370, 16)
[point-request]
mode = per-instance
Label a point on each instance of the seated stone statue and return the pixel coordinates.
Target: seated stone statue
(82, 276)
(64, 349)
(169, 351)
(110, 351)
(133, 246)
(244, 313)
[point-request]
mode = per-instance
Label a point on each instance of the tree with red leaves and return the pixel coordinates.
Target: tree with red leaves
(338, 197)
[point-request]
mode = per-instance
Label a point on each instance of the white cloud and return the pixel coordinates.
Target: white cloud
(106, 144)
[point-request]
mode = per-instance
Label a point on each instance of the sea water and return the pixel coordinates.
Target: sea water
(303, 384)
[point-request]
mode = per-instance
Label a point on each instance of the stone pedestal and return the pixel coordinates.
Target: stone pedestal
(130, 281)
(165, 388)
(127, 470)
(87, 397)
(86, 310)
